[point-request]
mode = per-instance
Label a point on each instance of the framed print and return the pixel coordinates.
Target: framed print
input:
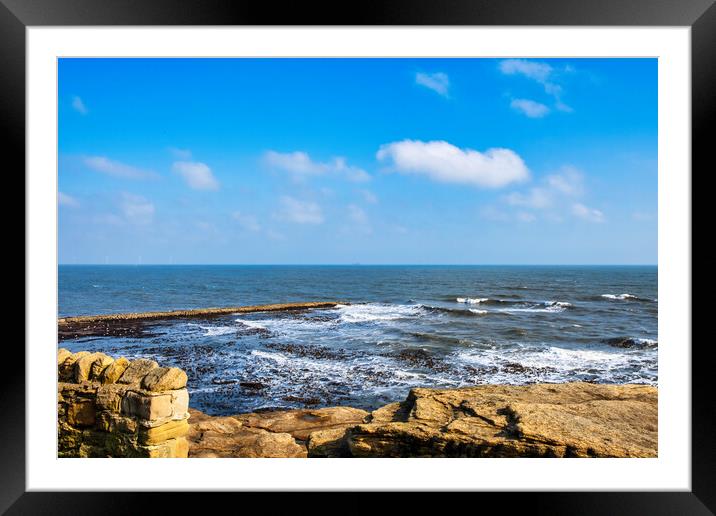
(415, 248)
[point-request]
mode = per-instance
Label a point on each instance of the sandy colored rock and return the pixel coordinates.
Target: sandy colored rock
(66, 370)
(328, 443)
(301, 423)
(164, 379)
(543, 420)
(146, 407)
(227, 437)
(169, 430)
(62, 355)
(137, 370)
(387, 413)
(89, 366)
(114, 371)
(101, 363)
(109, 397)
(81, 413)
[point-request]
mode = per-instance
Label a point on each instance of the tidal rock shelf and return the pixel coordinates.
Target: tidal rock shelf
(135, 324)
(541, 420)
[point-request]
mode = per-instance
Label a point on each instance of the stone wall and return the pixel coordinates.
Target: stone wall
(118, 408)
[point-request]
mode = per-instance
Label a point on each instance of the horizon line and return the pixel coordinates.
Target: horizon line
(358, 264)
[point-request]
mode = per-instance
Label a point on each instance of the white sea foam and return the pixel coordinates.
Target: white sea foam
(472, 300)
(276, 357)
(555, 308)
(253, 324)
(376, 312)
(563, 304)
(619, 296)
(477, 311)
(212, 331)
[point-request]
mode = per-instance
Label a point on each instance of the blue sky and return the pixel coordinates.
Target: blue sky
(305, 161)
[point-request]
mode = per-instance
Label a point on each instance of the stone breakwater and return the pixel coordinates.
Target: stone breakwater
(134, 323)
(117, 408)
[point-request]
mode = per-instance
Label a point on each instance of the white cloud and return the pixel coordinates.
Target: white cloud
(568, 181)
(586, 213)
(78, 105)
(66, 200)
(542, 73)
(535, 70)
(196, 174)
(115, 168)
(444, 162)
(369, 197)
(555, 194)
(438, 82)
(246, 221)
(535, 198)
(529, 108)
(136, 209)
(300, 165)
(300, 212)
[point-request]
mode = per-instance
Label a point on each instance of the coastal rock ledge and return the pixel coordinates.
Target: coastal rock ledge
(542, 420)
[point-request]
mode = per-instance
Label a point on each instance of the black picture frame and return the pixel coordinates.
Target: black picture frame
(17, 15)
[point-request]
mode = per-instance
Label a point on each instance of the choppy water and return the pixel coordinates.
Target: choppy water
(406, 326)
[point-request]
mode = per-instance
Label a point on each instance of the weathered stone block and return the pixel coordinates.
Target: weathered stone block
(164, 379)
(103, 421)
(68, 438)
(62, 355)
(173, 448)
(90, 366)
(99, 365)
(66, 370)
(81, 413)
(91, 451)
(180, 403)
(109, 397)
(123, 424)
(115, 370)
(169, 430)
(137, 370)
(147, 407)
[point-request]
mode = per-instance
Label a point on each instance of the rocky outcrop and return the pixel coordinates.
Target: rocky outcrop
(227, 437)
(544, 420)
(281, 433)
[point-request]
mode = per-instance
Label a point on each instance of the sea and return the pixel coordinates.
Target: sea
(395, 328)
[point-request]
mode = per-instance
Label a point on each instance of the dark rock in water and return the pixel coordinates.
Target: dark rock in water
(628, 342)
(421, 358)
(318, 352)
(218, 381)
(254, 386)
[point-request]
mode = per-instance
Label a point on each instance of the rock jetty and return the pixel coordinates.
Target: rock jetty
(135, 323)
